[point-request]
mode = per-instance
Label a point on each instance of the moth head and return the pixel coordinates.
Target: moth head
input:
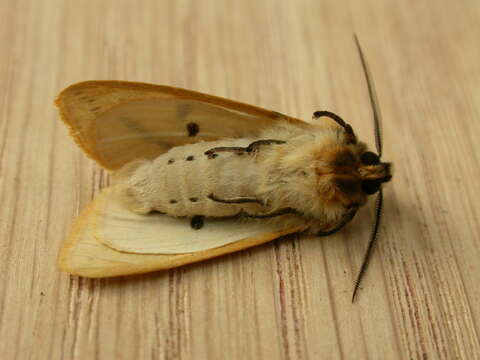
(347, 174)
(373, 172)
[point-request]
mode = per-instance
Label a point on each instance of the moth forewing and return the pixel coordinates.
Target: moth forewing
(116, 122)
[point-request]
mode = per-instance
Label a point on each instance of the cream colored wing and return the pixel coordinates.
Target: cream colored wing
(116, 122)
(155, 233)
(100, 246)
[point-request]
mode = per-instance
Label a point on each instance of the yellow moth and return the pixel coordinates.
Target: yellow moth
(196, 176)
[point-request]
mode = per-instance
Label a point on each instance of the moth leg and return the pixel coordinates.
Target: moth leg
(243, 214)
(236, 149)
(197, 222)
(346, 219)
(279, 212)
(253, 147)
(237, 200)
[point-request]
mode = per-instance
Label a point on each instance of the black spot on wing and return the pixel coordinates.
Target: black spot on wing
(192, 129)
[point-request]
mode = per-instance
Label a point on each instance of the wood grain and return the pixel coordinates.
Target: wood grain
(285, 300)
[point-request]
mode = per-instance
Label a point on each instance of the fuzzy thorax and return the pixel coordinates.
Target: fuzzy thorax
(290, 175)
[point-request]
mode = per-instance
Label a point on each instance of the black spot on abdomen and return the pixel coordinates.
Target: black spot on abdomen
(196, 222)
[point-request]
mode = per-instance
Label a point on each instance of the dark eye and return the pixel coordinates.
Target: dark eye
(370, 187)
(370, 158)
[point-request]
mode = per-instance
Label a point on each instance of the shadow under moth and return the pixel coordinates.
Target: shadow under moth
(197, 176)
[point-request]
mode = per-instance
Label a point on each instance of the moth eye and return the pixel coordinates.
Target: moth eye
(370, 158)
(370, 187)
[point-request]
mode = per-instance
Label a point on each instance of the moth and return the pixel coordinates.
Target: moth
(196, 176)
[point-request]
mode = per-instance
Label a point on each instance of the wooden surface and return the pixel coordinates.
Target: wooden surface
(285, 300)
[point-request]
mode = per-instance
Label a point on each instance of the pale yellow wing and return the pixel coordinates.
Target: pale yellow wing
(123, 230)
(90, 252)
(116, 122)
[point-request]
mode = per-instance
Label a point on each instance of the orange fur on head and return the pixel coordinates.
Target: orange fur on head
(339, 181)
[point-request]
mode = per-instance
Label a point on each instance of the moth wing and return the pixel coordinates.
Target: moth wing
(100, 247)
(116, 122)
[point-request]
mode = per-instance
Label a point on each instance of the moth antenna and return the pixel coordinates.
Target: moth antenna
(379, 145)
(371, 244)
(373, 99)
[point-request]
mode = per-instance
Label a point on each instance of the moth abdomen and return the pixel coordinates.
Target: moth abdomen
(180, 181)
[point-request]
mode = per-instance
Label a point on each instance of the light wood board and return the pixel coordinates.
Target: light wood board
(289, 299)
